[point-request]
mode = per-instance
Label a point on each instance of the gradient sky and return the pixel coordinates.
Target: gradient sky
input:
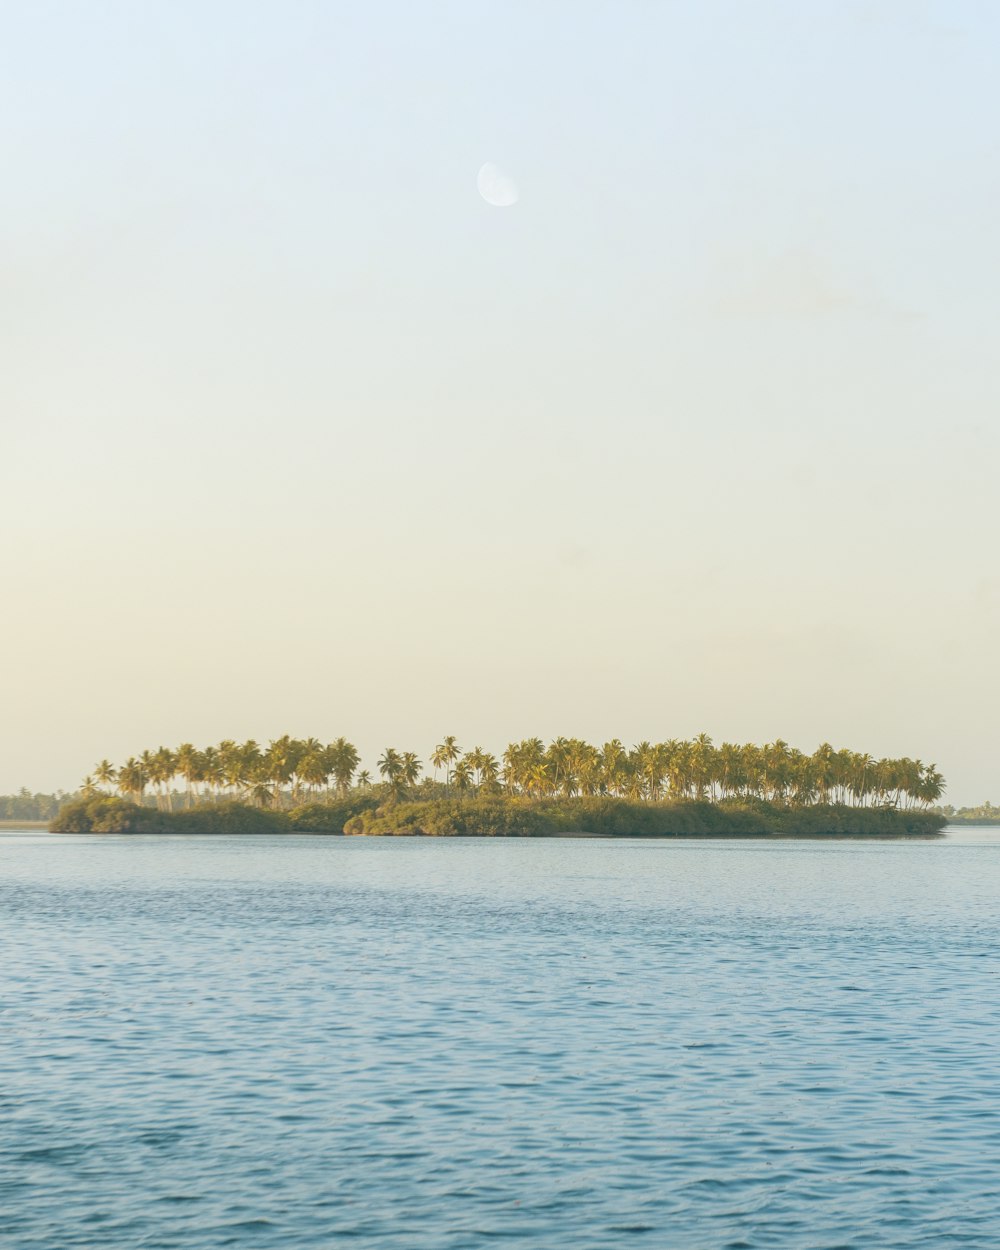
(298, 435)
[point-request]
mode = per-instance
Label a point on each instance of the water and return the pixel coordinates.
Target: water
(416, 1044)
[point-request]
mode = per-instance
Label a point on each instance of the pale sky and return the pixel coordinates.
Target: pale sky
(299, 435)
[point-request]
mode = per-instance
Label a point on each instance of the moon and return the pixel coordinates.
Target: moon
(495, 187)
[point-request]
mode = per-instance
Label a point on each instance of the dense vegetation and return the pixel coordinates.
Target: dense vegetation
(984, 814)
(501, 816)
(291, 771)
(520, 817)
(668, 788)
(27, 806)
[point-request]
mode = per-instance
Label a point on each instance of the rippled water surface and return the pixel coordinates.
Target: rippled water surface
(407, 1044)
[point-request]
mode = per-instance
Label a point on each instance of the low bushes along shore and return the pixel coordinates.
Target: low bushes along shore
(505, 817)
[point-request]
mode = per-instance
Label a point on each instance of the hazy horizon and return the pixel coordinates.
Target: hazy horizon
(300, 435)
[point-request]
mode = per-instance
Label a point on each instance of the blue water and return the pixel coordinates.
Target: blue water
(407, 1044)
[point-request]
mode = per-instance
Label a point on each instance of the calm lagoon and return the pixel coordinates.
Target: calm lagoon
(405, 1044)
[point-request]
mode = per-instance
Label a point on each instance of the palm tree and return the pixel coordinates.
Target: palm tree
(862, 778)
(557, 757)
(843, 769)
(521, 761)
(439, 758)
(210, 772)
(148, 770)
(188, 766)
(255, 776)
(680, 768)
(410, 769)
(589, 772)
(613, 763)
(475, 758)
(313, 770)
(584, 764)
(260, 793)
(445, 755)
(539, 779)
(251, 760)
(777, 770)
(802, 778)
(282, 758)
(461, 775)
(132, 780)
(823, 770)
(569, 783)
(364, 779)
(342, 759)
(512, 767)
(648, 766)
(489, 773)
(702, 764)
(391, 767)
(104, 773)
(162, 767)
(728, 773)
(231, 766)
(306, 749)
(931, 785)
(752, 770)
(635, 787)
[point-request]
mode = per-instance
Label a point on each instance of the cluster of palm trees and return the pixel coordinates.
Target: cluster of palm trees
(697, 769)
(293, 770)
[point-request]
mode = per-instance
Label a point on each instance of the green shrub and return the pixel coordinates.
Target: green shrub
(102, 814)
(501, 816)
(73, 818)
(330, 817)
(220, 818)
(450, 818)
(107, 814)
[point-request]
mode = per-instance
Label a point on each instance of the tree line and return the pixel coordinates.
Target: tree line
(984, 813)
(27, 806)
(291, 771)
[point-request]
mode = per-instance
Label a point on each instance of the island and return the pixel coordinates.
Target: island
(676, 788)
